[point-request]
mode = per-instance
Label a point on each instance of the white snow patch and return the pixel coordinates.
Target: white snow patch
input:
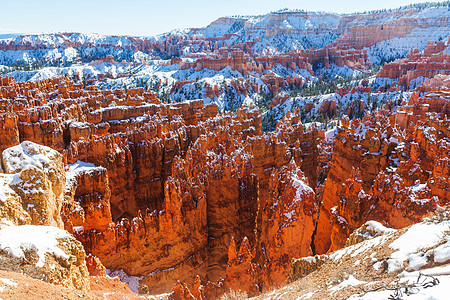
(43, 239)
(76, 169)
(442, 252)
(22, 156)
(306, 296)
(350, 281)
(330, 135)
(436, 292)
(8, 281)
(378, 227)
(418, 236)
(132, 281)
(418, 187)
(301, 187)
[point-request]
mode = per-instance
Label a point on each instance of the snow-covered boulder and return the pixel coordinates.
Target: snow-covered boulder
(32, 189)
(44, 252)
(367, 231)
(31, 192)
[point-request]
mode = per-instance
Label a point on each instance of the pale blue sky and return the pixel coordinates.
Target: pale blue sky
(140, 17)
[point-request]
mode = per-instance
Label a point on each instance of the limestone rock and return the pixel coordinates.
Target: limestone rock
(288, 223)
(11, 209)
(95, 266)
(381, 172)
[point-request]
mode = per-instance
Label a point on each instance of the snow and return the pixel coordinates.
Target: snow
(417, 261)
(76, 169)
(361, 130)
(335, 71)
(436, 292)
(306, 296)
(42, 239)
(54, 47)
(82, 71)
(399, 47)
(132, 281)
(442, 252)
(80, 125)
(330, 135)
(419, 236)
(301, 188)
(28, 154)
(80, 167)
(5, 222)
(8, 281)
(310, 259)
(378, 227)
(436, 271)
(418, 187)
(350, 281)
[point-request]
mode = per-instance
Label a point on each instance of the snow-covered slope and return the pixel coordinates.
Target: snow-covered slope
(410, 263)
(280, 31)
(82, 71)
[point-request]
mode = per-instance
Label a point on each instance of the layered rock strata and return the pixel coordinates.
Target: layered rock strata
(384, 171)
(161, 191)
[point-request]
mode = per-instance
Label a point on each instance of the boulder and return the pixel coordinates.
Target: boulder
(36, 174)
(44, 252)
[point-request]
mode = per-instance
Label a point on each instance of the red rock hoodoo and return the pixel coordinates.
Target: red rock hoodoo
(170, 191)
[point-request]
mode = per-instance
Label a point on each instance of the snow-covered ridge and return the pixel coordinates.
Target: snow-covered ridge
(412, 263)
(313, 28)
(56, 40)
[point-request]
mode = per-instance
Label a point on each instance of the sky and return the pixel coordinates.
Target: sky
(149, 17)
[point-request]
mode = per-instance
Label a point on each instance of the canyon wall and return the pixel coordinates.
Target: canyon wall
(389, 169)
(181, 192)
(163, 191)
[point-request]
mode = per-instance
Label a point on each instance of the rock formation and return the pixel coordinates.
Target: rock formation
(37, 176)
(386, 171)
(182, 195)
(31, 193)
(428, 63)
(176, 180)
(46, 253)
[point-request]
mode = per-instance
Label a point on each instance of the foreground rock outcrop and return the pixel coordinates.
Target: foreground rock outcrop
(36, 174)
(31, 196)
(46, 253)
